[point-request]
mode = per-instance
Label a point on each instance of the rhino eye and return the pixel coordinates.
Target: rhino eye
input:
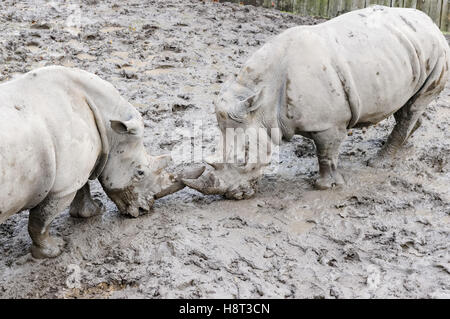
(139, 175)
(140, 172)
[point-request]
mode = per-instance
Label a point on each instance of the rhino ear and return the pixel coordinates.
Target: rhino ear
(125, 127)
(249, 104)
(227, 83)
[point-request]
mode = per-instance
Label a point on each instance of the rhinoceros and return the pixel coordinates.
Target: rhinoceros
(319, 81)
(60, 128)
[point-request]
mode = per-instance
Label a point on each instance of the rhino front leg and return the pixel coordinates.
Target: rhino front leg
(41, 216)
(84, 206)
(327, 144)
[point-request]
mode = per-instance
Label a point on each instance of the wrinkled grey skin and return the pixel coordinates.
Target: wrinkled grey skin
(318, 81)
(61, 127)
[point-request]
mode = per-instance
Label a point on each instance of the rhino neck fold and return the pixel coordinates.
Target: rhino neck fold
(106, 104)
(103, 157)
(282, 118)
(266, 72)
(275, 119)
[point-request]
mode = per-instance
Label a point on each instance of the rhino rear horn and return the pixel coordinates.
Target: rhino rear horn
(161, 162)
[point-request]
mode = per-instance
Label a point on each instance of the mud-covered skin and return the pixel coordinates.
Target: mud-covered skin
(318, 81)
(60, 127)
(385, 235)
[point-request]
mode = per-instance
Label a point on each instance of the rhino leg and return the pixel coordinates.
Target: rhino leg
(407, 121)
(84, 206)
(41, 216)
(408, 117)
(327, 144)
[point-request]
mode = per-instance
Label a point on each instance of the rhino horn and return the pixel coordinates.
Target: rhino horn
(207, 184)
(161, 162)
(178, 184)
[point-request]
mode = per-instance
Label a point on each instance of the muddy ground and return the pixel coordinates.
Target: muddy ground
(384, 235)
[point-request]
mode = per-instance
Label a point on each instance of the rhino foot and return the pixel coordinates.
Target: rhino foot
(84, 206)
(330, 181)
(87, 209)
(175, 184)
(52, 247)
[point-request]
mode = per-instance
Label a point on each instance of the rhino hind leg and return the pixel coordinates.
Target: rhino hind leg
(407, 119)
(327, 144)
(84, 206)
(41, 216)
(407, 122)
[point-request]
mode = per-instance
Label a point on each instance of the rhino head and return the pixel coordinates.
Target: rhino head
(245, 149)
(132, 178)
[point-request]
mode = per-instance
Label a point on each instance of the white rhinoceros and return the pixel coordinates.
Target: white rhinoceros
(61, 127)
(318, 81)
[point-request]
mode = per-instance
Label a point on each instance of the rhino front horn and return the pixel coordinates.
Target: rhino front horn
(178, 184)
(208, 184)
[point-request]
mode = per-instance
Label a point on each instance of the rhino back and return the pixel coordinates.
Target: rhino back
(389, 53)
(379, 58)
(359, 67)
(27, 160)
(49, 142)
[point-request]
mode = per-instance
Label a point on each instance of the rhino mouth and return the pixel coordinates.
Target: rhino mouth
(130, 203)
(136, 210)
(135, 203)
